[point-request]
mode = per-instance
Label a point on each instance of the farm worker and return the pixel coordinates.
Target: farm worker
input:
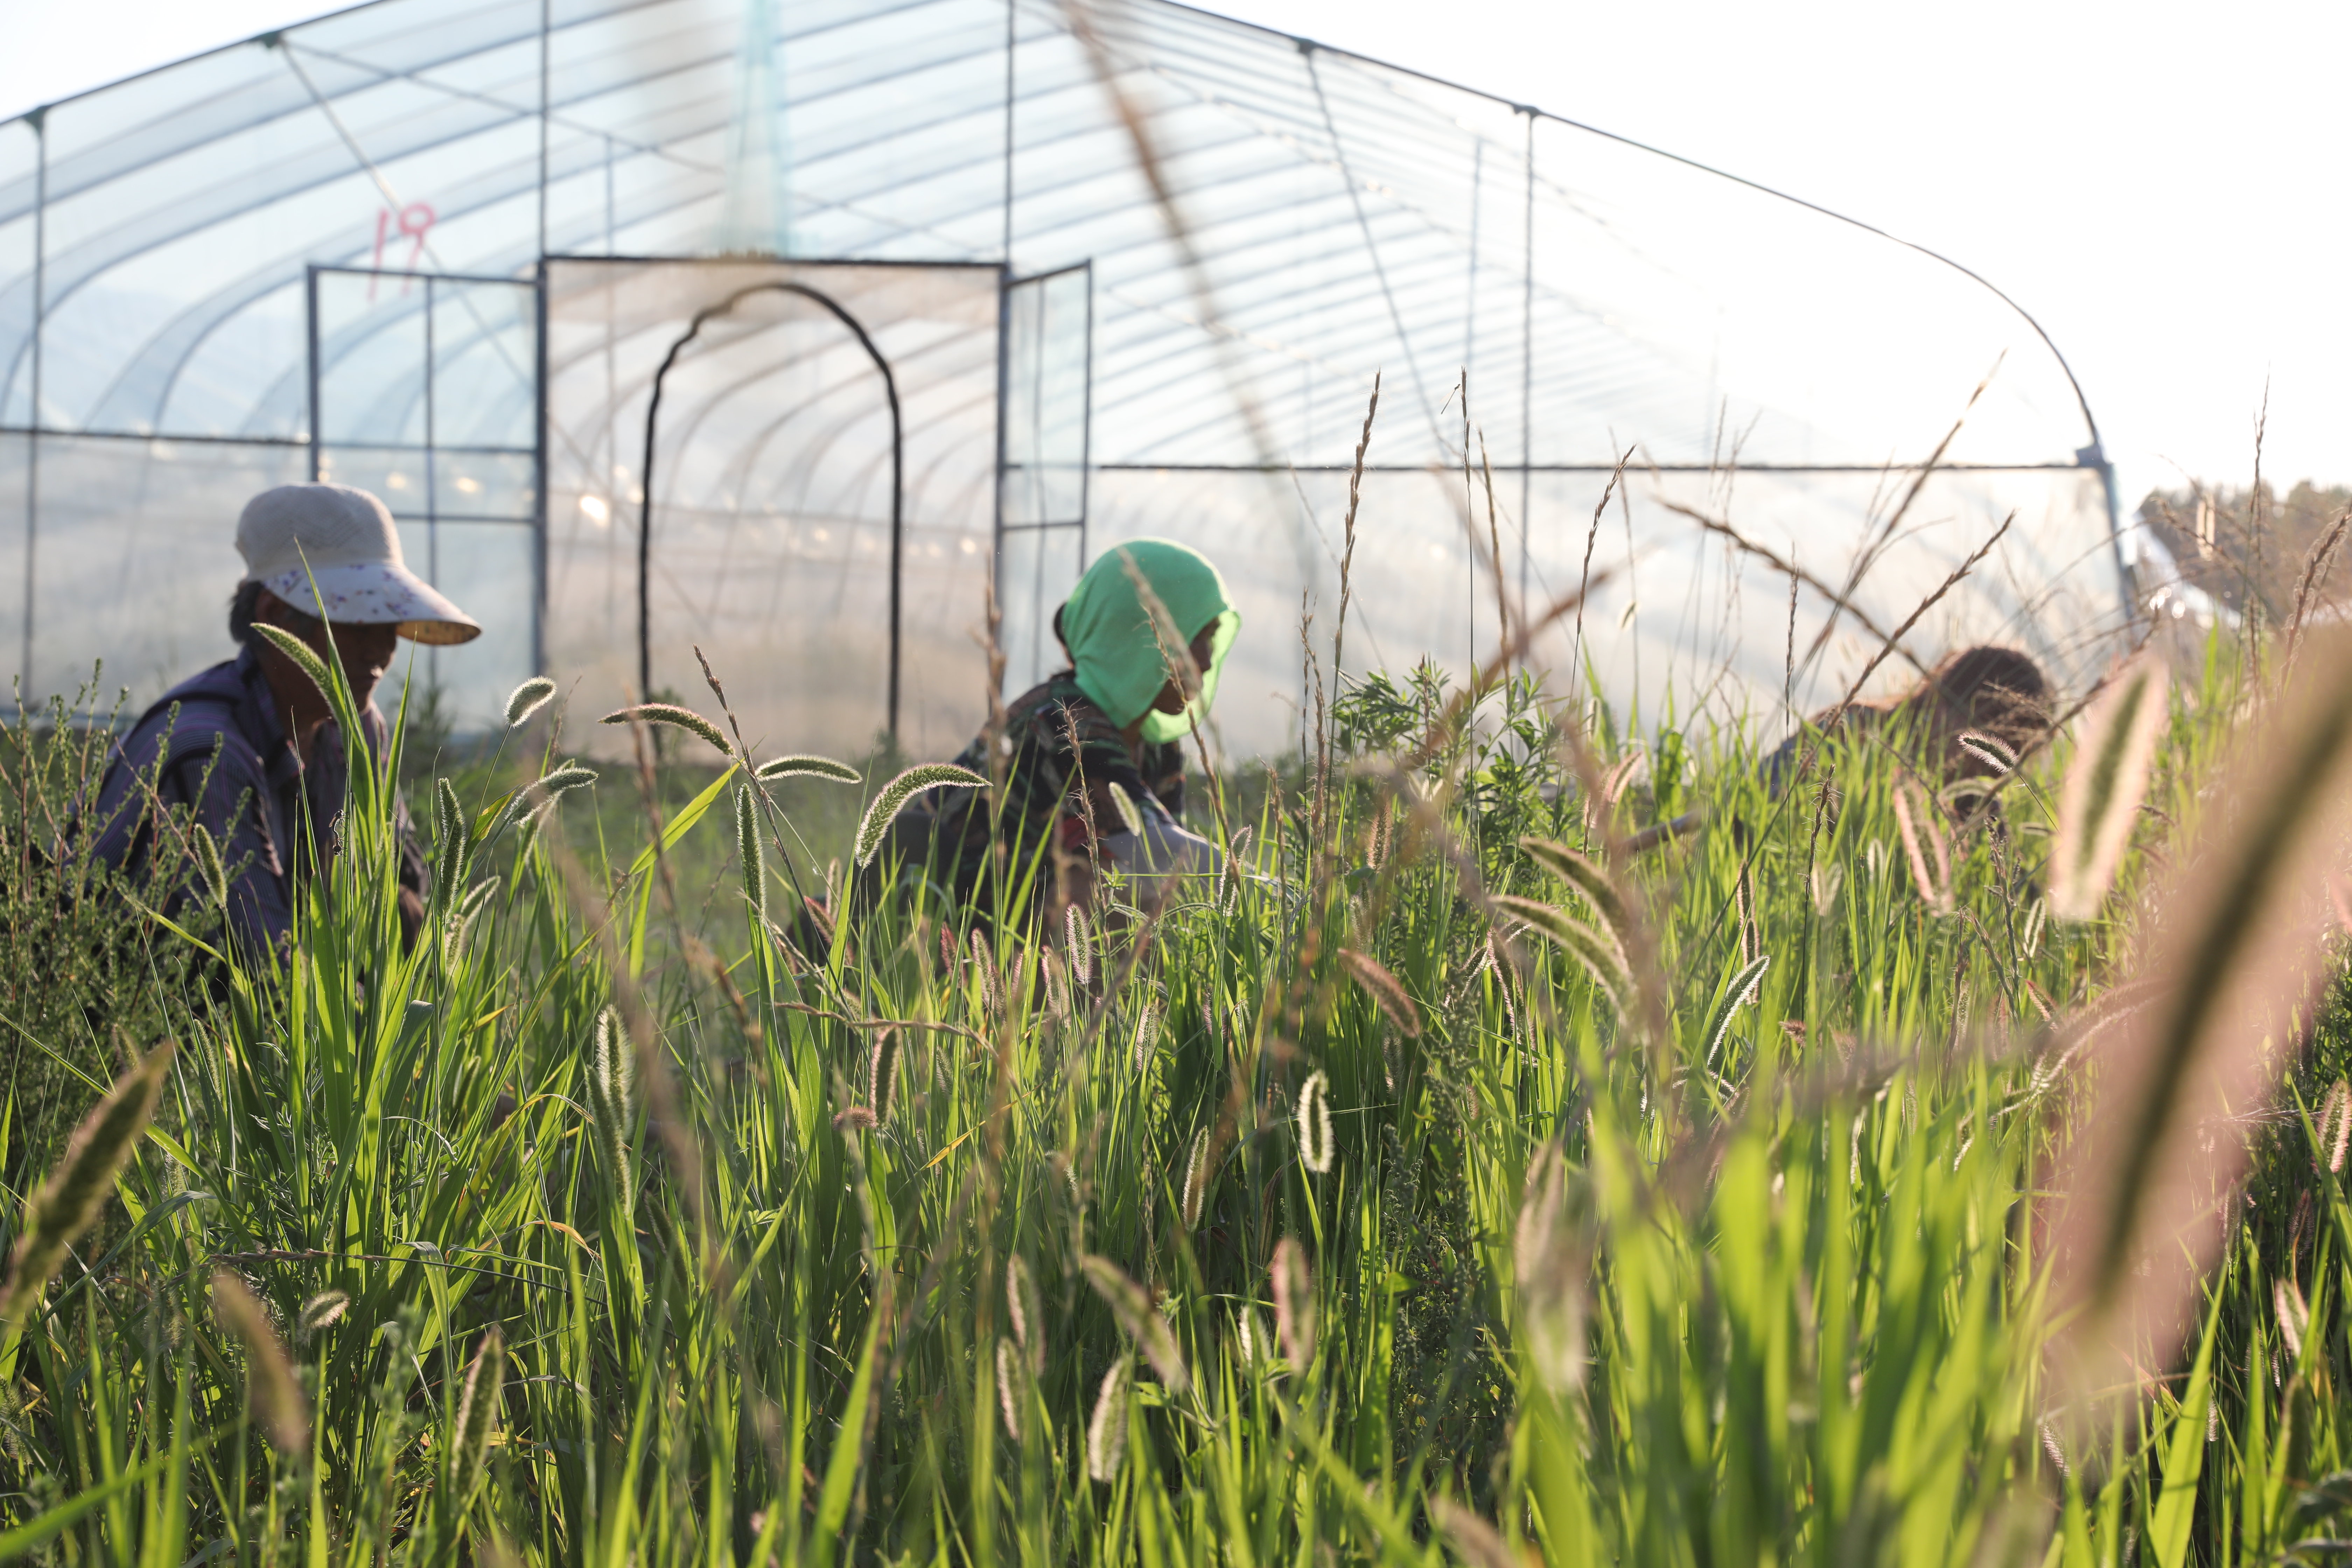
(1116, 716)
(1986, 693)
(249, 747)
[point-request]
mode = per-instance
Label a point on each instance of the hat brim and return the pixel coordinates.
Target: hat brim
(375, 594)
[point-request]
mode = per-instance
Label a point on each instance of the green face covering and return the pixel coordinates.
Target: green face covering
(1108, 631)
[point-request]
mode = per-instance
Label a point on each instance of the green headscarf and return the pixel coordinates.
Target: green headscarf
(1108, 631)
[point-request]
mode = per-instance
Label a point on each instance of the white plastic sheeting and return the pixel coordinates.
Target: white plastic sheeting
(213, 278)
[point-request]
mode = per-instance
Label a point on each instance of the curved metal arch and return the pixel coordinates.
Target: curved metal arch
(898, 475)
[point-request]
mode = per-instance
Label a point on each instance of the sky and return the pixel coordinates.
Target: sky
(2162, 185)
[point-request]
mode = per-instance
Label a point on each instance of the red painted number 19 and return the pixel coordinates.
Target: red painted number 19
(415, 221)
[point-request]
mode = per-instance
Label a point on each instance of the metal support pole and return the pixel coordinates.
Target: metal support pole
(546, 36)
(897, 478)
(39, 120)
(1086, 426)
(1527, 368)
(432, 485)
(539, 473)
(310, 334)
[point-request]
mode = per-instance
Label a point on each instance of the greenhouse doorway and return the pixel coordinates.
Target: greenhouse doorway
(777, 466)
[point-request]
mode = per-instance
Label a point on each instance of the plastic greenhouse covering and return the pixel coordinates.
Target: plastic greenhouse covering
(943, 284)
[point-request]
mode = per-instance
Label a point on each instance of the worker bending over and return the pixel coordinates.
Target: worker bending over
(249, 747)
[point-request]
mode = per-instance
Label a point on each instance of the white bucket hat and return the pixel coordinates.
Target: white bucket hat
(344, 540)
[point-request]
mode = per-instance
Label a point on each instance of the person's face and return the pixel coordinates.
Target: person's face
(364, 651)
(1171, 695)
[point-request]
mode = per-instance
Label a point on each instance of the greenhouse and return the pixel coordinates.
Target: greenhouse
(885, 293)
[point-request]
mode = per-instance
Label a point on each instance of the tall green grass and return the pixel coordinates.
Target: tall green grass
(1330, 1213)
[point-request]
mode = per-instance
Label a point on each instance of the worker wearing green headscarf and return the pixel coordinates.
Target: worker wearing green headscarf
(1147, 630)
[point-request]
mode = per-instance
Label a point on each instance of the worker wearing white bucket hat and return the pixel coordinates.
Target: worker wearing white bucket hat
(248, 747)
(333, 551)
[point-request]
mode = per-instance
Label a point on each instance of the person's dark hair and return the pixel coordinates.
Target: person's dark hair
(246, 602)
(1991, 690)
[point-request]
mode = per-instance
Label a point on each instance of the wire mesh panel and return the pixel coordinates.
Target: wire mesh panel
(771, 545)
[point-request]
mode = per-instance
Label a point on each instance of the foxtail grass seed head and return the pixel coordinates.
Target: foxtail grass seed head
(448, 814)
(1147, 1033)
(271, 1391)
(1107, 1431)
(1009, 1372)
(528, 698)
(1142, 1323)
(616, 1063)
(1387, 992)
(453, 938)
(2113, 745)
(677, 718)
(1130, 818)
(2335, 1126)
(68, 1203)
(1250, 1337)
(2243, 931)
(2037, 921)
(1546, 1260)
(882, 1071)
(1935, 893)
(1079, 940)
(1990, 750)
(884, 809)
(1745, 987)
(1025, 1310)
(1318, 1144)
(1584, 876)
(812, 767)
(2293, 1317)
(301, 656)
(479, 894)
(1196, 1179)
(319, 1313)
(610, 1071)
(208, 856)
(991, 989)
(563, 780)
(1596, 951)
(1473, 1539)
(1293, 1302)
(854, 1118)
(1826, 881)
(751, 852)
(1055, 984)
(477, 1413)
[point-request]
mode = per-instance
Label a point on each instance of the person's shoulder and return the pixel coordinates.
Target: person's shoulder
(202, 701)
(1057, 705)
(199, 714)
(222, 682)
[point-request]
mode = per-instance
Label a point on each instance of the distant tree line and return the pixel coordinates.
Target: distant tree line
(2247, 547)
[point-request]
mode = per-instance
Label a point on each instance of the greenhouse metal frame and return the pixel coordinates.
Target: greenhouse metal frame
(1132, 268)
